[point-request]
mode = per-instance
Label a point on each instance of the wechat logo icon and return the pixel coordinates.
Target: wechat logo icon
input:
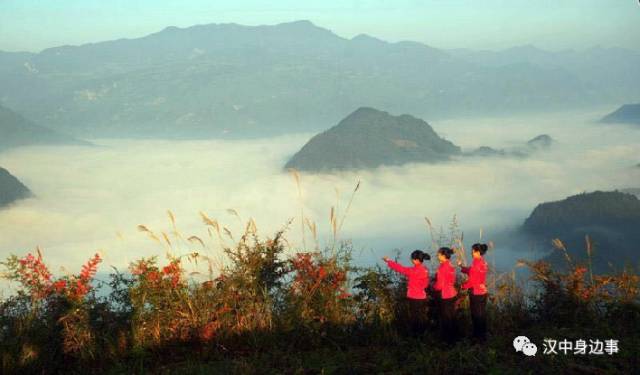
(524, 345)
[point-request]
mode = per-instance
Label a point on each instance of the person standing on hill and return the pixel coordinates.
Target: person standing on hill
(445, 280)
(477, 283)
(417, 283)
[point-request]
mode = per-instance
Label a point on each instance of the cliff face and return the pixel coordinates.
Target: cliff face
(369, 138)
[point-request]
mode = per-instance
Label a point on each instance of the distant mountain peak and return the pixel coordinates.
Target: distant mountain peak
(363, 114)
(170, 29)
(300, 23)
(300, 26)
(367, 111)
(305, 27)
(368, 138)
(366, 38)
(541, 141)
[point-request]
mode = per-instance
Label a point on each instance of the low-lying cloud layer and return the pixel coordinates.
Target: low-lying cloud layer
(93, 198)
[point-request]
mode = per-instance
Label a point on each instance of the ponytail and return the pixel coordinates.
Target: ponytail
(420, 255)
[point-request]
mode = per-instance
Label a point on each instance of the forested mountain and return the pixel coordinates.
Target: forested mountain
(610, 219)
(370, 138)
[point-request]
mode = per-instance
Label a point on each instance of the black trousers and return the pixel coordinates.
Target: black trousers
(434, 307)
(416, 316)
(447, 317)
(478, 315)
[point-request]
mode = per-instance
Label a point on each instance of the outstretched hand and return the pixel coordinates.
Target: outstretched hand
(459, 262)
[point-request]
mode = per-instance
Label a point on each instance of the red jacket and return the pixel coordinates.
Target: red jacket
(477, 276)
(445, 279)
(417, 279)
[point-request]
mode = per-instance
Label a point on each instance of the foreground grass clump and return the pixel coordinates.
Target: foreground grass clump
(258, 310)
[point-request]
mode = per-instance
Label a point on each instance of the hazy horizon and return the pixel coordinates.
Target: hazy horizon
(494, 25)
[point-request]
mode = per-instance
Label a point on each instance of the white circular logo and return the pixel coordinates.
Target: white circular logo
(529, 349)
(519, 342)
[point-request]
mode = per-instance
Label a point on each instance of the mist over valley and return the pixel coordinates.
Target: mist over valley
(89, 198)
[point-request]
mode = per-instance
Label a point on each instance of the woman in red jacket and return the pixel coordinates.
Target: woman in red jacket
(417, 282)
(445, 280)
(478, 297)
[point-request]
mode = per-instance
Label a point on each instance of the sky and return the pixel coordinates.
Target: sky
(33, 25)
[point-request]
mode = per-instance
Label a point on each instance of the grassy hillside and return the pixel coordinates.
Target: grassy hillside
(262, 311)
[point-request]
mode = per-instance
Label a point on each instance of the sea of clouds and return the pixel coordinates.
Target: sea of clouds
(93, 198)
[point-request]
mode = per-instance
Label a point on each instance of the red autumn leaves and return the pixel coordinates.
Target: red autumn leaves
(34, 275)
(313, 273)
(147, 271)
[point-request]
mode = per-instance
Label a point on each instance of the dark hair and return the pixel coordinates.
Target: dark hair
(420, 255)
(447, 252)
(480, 247)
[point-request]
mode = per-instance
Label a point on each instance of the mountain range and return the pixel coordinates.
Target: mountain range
(229, 80)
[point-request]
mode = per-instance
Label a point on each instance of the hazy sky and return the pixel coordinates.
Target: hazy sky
(32, 25)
